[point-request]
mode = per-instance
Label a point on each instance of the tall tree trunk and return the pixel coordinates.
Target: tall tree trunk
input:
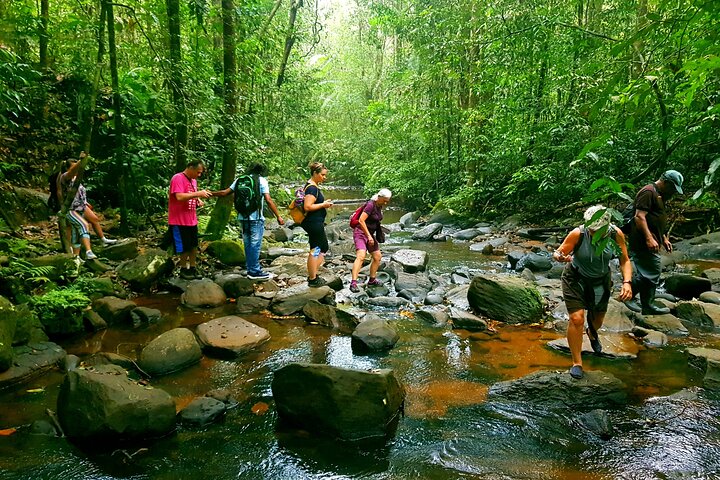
(289, 40)
(44, 37)
(176, 85)
(89, 126)
(537, 111)
(223, 208)
(638, 53)
(120, 169)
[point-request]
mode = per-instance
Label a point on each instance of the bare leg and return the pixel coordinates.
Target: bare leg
(313, 264)
(359, 260)
(93, 219)
(375, 264)
(575, 335)
(597, 320)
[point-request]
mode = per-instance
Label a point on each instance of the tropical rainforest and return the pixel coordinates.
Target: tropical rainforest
(484, 108)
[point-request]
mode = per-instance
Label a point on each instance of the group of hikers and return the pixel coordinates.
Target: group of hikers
(586, 283)
(185, 198)
(586, 279)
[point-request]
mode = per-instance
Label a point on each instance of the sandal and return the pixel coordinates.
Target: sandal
(576, 372)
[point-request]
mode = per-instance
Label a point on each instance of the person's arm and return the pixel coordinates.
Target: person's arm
(310, 206)
(363, 226)
(274, 209)
(626, 292)
(564, 252)
(667, 244)
(642, 225)
(183, 197)
(222, 193)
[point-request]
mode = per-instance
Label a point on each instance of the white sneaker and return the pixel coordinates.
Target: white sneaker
(108, 241)
(89, 255)
(78, 261)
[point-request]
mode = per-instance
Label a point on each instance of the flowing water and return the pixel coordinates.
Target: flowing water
(449, 430)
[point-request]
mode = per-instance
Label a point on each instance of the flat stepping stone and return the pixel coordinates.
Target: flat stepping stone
(230, 336)
(30, 361)
(699, 356)
(667, 324)
(614, 346)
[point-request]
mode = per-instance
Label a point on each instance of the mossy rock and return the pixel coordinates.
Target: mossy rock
(61, 311)
(228, 252)
(507, 299)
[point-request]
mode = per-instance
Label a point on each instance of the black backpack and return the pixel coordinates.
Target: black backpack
(628, 217)
(247, 194)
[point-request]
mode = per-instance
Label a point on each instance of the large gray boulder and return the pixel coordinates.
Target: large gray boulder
(506, 299)
(125, 249)
(236, 285)
(412, 261)
(535, 262)
(292, 300)
(144, 270)
(374, 335)
(698, 357)
(687, 286)
(339, 402)
(104, 404)
(433, 316)
(230, 336)
(466, 234)
(699, 313)
(203, 293)
(114, 310)
(330, 316)
(710, 297)
(428, 232)
(412, 281)
(173, 350)
(712, 274)
(202, 411)
(467, 321)
(597, 389)
(388, 302)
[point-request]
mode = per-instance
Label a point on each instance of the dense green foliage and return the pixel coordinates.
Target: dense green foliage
(61, 310)
(487, 107)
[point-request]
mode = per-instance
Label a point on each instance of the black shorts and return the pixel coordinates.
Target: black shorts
(184, 238)
(316, 235)
(577, 291)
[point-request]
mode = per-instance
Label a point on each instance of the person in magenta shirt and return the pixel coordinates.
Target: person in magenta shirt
(183, 200)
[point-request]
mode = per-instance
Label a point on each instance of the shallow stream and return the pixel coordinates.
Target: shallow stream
(449, 430)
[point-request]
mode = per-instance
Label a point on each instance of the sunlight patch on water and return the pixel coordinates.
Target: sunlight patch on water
(433, 399)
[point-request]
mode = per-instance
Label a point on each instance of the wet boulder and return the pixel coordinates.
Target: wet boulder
(146, 269)
(113, 310)
(236, 285)
(409, 281)
(330, 316)
(458, 297)
(338, 402)
(63, 265)
(374, 335)
(667, 324)
(412, 261)
(711, 380)
(698, 357)
(104, 404)
(427, 233)
(650, 338)
(506, 299)
(203, 293)
(407, 220)
(28, 328)
(292, 300)
(597, 389)
(376, 290)
(710, 297)
(467, 321)
(597, 422)
(388, 302)
(230, 336)
(145, 316)
(535, 262)
(488, 247)
(125, 249)
(618, 317)
(699, 313)
(30, 361)
(712, 274)
(8, 324)
(251, 304)
(202, 411)
(416, 295)
(173, 350)
(466, 234)
(433, 316)
(228, 252)
(686, 286)
(282, 234)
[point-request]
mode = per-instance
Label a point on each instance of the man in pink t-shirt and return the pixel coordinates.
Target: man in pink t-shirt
(183, 200)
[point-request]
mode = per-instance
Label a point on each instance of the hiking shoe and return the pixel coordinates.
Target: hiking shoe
(576, 372)
(316, 282)
(108, 241)
(373, 281)
(594, 342)
(259, 276)
(89, 255)
(354, 286)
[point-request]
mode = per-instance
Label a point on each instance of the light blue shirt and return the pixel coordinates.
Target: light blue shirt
(264, 188)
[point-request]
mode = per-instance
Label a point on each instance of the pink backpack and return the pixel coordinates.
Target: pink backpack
(355, 217)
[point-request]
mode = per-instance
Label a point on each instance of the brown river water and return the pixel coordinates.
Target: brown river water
(449, 431)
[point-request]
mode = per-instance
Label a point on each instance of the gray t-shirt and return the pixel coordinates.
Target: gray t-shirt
(587, 261)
